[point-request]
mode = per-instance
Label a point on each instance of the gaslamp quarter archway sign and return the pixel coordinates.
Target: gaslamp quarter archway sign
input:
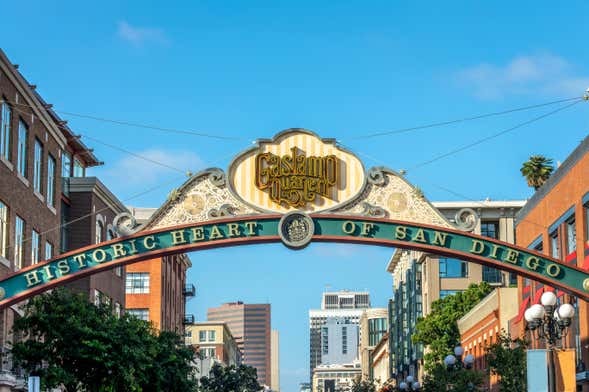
(294, 188)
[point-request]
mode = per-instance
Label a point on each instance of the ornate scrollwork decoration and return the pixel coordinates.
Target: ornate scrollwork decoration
(376, 176)
(125, 224)
(296, 229)
(466, 219)
(224, 210)
(217, 177)
(372, 210)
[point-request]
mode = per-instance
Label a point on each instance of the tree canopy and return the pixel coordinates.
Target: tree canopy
(70, 342)
(439, 329)
(507, 359)
(537, 170)
(230, 379)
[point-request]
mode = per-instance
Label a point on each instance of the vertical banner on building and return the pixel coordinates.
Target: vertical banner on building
(537, 363)
(565, 364)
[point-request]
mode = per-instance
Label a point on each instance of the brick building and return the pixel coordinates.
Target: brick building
(156, 289)
(42, 186)
(481, 325)
(555, 221)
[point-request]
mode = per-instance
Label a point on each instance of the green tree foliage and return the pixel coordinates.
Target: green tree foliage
(454, 379)
(230, 379)
(70, 342)
(363, 386)
(537, 170)
(439, 330)
(507, 359)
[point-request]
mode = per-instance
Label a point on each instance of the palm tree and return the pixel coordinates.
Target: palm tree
(537, 170)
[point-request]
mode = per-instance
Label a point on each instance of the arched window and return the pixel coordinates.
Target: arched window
(99, 229)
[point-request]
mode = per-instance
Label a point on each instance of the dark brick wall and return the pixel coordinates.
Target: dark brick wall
(172, 302)
(19, 197)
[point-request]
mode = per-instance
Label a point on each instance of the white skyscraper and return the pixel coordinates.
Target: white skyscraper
(344, 306)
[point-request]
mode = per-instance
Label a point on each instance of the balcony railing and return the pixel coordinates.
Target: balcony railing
(188, 319)
(189, 290)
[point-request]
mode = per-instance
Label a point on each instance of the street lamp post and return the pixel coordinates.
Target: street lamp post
(455, 362)
(549, 324)
(410, 384)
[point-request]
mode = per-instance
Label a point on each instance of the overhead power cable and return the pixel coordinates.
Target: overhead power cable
(146, 126)
(493, 136)
(465, 119)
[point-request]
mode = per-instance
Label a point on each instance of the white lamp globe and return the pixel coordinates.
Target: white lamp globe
(409, 379)
(548, 299)
(458, 351)
(566, 311)
(403, 386)
(416, 385)
(450, 360)
(528, 315)
(537, 312)
(469, 359)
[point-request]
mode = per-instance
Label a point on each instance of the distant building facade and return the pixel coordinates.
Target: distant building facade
(339, 341)
(156, 289)
(419, 278)
(481, 325)
(250, 324)
(380, 362)
(335, 378)
(275, 355)
(214, 344)
(373, 326)
(344, 305)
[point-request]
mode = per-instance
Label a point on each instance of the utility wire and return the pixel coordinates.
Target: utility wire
(493, 136)
(140, 125)
(477, 117)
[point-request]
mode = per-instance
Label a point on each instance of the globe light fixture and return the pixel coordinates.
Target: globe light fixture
(410, 384)
(550, 324)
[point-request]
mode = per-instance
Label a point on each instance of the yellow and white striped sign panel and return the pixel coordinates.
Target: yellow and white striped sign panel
(296, 170)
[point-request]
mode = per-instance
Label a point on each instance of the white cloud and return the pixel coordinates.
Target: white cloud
(544, 73)
(135, 173)
(138, 36)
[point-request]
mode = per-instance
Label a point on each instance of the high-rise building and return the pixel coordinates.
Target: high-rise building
(250, 325)
(347, 306)
(373, 326)
(339, 341)
(275, 355)
(419, 278)
(156, 289)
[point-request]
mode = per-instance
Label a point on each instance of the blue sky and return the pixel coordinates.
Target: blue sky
(343, 69)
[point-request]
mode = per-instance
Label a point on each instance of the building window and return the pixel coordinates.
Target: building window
(98, 233)
(137, 283)
(97, 295)
(490, 229)
(19, 237)
(21, 159)
(48, 250)
(78, 168)
(445, 293)
(3, 230)
(35, 247)
(453, 268)
(571, 235)
(66, 164)
(117, 309)
(141, 314)
(37, 166)
(554, 245)
(211, 336)
(492, 275)
(202, 336)
(50, 181)
(324, 341)
(6, 114)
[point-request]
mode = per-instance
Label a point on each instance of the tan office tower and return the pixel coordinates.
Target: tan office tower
(250, 325)
(275, 356)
